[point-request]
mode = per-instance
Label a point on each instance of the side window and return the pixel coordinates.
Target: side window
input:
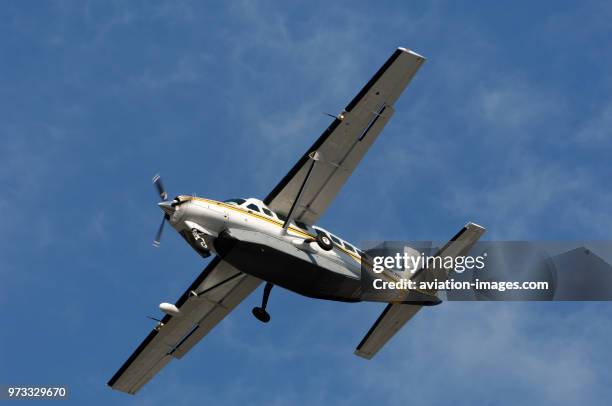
(301, 225)
(282, 217)
(267, 212)
(336, 240)
(253, 207)
(349, 247)
(235, 202)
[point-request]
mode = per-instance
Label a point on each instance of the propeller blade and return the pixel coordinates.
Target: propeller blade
(160, 230)
(160, 188)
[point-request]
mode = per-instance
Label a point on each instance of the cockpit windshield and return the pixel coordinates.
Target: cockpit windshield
(235, 202)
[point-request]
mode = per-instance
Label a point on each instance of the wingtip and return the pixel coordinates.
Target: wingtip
(409, 51)
(364, 355)
(476, 226)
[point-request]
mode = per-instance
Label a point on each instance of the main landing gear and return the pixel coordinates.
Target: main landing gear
(260, 313)
(324, 242)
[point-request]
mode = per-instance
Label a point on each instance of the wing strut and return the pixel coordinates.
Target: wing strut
(314, 157)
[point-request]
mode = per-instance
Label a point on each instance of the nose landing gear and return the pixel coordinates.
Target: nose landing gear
(260, 313)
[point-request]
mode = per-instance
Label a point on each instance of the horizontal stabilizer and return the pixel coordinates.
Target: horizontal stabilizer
(389, 322)
(396, 315)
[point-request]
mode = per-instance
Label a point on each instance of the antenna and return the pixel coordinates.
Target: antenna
(338, 117)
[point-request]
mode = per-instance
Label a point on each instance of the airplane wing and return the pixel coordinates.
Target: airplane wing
(211, 297)
(343, 144)
(396, 315)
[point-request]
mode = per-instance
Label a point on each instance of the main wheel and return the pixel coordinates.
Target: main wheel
(324, 242)
(261, 314)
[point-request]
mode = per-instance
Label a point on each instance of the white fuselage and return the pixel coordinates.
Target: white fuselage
(211, 217)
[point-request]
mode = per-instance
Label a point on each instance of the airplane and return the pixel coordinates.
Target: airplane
(275, 240)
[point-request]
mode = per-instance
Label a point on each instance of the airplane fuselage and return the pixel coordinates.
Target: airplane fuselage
(251, 237)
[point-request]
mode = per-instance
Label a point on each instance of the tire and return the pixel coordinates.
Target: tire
(324, 242)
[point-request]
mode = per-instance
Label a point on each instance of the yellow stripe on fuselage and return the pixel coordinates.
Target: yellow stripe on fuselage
(277, 223)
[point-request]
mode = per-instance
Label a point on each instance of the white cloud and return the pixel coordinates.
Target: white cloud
(505, 353)
(597, 130)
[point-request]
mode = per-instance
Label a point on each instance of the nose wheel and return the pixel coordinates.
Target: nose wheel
(260, 313)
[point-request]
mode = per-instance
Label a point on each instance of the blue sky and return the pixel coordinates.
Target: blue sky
(507, 124)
